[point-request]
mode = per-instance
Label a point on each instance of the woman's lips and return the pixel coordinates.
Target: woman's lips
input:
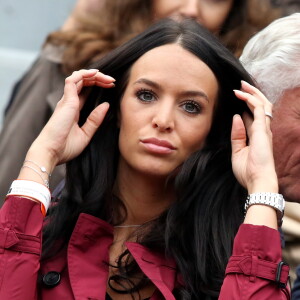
(158, 146)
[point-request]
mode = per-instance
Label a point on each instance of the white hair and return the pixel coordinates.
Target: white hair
(272, 57)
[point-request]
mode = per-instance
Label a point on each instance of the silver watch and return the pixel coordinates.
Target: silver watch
(270, 199)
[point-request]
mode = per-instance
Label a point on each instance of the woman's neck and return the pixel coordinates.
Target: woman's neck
(145, 197)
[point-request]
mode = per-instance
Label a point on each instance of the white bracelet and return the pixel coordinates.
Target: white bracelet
(31, 189)
(273, 200)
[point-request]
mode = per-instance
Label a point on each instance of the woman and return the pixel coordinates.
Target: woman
(87, 34)
(151, 205)
(94, 28)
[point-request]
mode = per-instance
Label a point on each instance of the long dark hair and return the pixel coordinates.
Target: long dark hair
(198, 229)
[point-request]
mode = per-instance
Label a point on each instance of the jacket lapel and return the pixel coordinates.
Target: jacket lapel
(160, 270)
(88, 257)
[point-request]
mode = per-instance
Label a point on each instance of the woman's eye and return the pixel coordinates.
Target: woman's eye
(146, 96)
(192, 107)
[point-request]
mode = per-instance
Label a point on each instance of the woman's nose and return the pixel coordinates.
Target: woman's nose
(190, 9)
(163, 119)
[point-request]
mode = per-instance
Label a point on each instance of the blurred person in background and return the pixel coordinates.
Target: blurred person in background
(94, 28)
(272, 57)
(258, 14)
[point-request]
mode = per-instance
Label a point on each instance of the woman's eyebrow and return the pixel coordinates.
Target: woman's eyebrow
(182, 94)
(200, 94)
(148, 82)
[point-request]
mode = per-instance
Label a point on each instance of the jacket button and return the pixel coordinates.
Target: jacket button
(51, 279)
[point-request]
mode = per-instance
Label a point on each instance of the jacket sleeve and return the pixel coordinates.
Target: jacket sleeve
(21, 223)
(255, 270)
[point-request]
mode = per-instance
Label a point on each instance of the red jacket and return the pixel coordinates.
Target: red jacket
(250, 274)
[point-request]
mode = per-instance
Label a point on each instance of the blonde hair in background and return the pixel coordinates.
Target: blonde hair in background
(120, 20)
(116, 22)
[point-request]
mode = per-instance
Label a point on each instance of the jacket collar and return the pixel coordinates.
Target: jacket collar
(88, 254)
(156, 267)
(88, 257)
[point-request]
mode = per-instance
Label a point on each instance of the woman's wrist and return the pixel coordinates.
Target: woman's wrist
(38, 166)
(42, 156)
(270, 185)
(261, 215)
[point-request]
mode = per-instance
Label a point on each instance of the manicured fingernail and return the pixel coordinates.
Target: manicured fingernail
(245, 82)
(110, 78)
(105, 104)
(93, 70)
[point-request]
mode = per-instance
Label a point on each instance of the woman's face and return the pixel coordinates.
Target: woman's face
(210, 13)
(166, 111)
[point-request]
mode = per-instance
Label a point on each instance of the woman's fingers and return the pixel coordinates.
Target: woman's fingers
(252, 159)
(82, 78)
(248, 121)
(99, 79)
(256, 101)
(94, 120)
(247, 87)
(257, 94)
(62, 136)
(253, 101)
(238, 134)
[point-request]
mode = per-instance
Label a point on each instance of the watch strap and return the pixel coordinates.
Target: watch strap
(273, 200)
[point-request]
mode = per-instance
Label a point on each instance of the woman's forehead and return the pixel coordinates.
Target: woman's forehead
(172, 66)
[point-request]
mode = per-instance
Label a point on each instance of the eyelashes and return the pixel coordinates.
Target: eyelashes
(146, 95)
(190, 106)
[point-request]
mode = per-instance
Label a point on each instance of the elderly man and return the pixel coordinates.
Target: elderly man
(272, 57)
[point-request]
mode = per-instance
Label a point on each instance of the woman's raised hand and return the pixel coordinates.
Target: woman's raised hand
(252, 162)
(62, 139)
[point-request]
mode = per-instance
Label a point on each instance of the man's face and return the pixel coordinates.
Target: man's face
(286, 143)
